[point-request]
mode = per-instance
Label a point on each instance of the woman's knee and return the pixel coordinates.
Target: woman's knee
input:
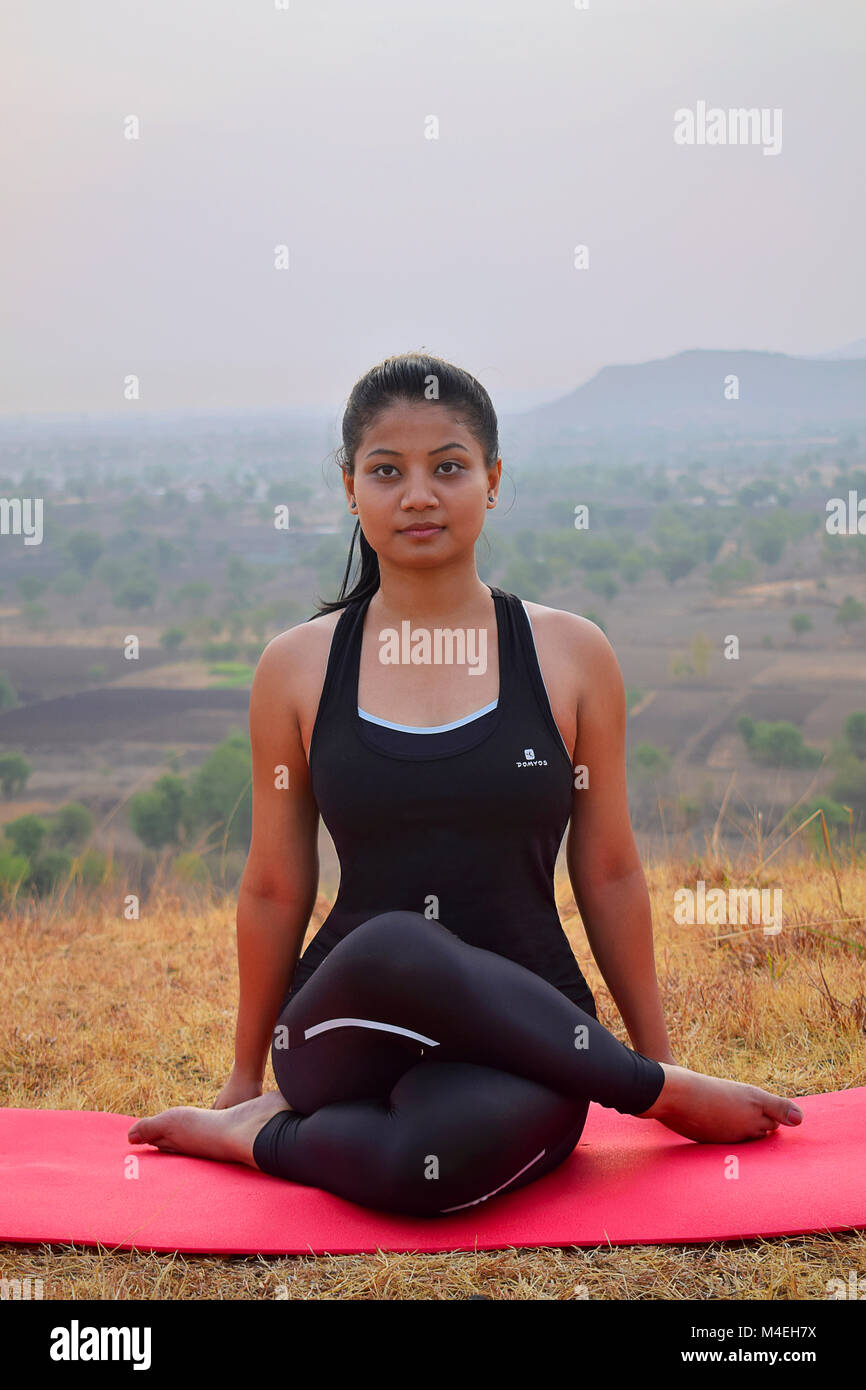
(467, 1133)
(400, 927)
(437, 1179)
(397, 945)
(425, 1179)
(348, 1063)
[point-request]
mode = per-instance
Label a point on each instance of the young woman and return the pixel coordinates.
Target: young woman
(437, 1043)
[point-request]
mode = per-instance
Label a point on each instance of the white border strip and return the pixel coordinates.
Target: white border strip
(543, 681)
(497, 1189)
(431, 728)
(366, 1023)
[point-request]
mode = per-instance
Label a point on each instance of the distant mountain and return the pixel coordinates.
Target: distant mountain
(778, 394)
(855, 349)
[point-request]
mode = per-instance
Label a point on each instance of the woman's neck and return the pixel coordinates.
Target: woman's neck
(431, 597)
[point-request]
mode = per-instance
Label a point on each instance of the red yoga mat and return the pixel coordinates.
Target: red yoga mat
(69, 1176)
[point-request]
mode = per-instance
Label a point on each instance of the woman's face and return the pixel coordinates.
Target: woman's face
(417, 465)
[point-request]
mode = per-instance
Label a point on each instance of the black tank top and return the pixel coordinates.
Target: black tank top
(463, 823)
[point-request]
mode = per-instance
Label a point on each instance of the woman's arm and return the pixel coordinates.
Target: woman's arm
(603, 862)
(280, 880)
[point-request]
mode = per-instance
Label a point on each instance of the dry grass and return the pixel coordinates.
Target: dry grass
(132, 1016)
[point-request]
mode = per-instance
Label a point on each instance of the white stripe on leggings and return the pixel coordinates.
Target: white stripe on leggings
(496, 1189)
(366, 1023)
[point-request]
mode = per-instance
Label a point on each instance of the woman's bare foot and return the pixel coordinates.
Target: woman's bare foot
(225, 1134)
(711, 1110)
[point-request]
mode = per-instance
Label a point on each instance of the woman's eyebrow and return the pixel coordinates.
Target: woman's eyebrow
(398, 452)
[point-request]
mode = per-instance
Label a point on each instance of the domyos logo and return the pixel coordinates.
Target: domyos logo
(529, 759)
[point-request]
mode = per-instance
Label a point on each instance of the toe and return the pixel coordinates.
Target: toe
(150, 1130)
(781, 1111)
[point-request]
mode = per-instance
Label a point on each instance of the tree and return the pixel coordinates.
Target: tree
(165, 554)
(193, 593)
(69, 583)
(849, 785)
(172, 638)
(84, 549)
(855, 732)
(26, 834)
(8, 697)
(48, 870)
(835, 815)
(13, 869)
(528, 578)
(701, 649)
(767, 538)
(676, 564)
(596, 553)
(778, 744)
(526, 542)
(30, 586)
(139, 591)
(72, 826)
(190, 868)
(725, 576)
(602, 584)
(37, 614)
(155, 815)
(634, 563)
(14, 773)
(239, 577)
(648, 761)
(220, 796)
(850, 610)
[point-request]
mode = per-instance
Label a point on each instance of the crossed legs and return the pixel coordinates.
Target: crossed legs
(426, 1075)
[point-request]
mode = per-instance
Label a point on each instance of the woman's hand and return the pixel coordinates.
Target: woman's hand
(240, 1086)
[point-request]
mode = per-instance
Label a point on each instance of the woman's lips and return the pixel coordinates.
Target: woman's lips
(421, 530)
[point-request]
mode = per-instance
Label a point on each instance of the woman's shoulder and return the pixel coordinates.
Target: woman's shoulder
(562, 624)
(294, 661)
(303, 637)
(574, 650)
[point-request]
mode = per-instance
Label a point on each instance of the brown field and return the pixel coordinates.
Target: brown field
(128, 714)
(149, 1022)
(101, 743)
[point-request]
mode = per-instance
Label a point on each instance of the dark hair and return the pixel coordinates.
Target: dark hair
(405, 377)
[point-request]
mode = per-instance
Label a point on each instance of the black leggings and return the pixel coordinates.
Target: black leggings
(426, 1075)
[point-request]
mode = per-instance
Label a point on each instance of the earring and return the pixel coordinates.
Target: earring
(490, 497)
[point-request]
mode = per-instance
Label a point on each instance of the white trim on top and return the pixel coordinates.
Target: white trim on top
(543, 681)
(430, 728)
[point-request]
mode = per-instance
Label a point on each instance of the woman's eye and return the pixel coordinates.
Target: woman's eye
(446, 463)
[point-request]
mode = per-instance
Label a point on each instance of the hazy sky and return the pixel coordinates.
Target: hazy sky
(306, 126)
